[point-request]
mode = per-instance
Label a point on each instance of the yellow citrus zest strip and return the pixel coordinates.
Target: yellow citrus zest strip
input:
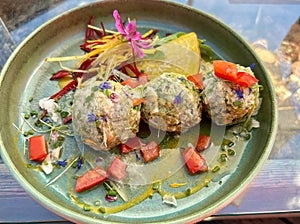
(100, 29)
(147, 34)
(175, 185)
(67, 58)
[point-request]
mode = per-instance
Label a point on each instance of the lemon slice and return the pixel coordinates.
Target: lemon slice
(181, 55)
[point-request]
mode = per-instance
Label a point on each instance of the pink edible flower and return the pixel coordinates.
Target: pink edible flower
(54, 136)
(133, 36)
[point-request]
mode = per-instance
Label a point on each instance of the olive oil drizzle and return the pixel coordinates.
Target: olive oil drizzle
(110, 210)
(148, 193)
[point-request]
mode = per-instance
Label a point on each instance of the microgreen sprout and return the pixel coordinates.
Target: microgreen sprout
(111, 194)
(59, 128)
(121, 193)
(51, 128)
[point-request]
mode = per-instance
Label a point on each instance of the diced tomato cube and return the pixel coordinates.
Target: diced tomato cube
(117, 169)
(131, 145)
(90, 179)
(133, 83)
(225, 70)
(194, 161)
(197, 80)
(138, 101)
(150, 151)
(245, 79)
(143, 79)
(203, 142)
(37, 146)
(229, 71)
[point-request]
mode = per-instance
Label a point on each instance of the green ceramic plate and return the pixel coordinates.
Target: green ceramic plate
(26, 74)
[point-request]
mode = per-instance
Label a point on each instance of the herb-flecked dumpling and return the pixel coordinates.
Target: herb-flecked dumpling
(227, 102)
(172, 103)
(103, 113)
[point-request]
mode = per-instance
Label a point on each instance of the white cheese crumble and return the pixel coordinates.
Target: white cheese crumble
(47, 166)
(51, 107)
(169, 200)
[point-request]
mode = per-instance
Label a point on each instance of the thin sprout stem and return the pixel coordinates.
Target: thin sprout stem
(108, 186)
(55, 128)
(64, 171)
(49, 139)
(19, 130)
(23, 138)
(121, 193)
(45, 123)
(33, 128)
(253, 108)
(72, 70)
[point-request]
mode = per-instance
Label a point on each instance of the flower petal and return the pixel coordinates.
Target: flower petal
(119, 24)
(145, 44)
(137, 50)
(131, 31)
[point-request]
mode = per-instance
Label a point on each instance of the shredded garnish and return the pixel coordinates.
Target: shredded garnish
(108, 51)
(120, 191)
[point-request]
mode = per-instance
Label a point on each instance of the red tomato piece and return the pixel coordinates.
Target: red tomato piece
(37, 146)
(225, 70)
(197, 80)
(143, 79)
(203, 142)
(131, 82)
(131, 145)
(138, 101)
(90, 179)
(150, 151)
(245, 79)
(117, 169)
(194, 161)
